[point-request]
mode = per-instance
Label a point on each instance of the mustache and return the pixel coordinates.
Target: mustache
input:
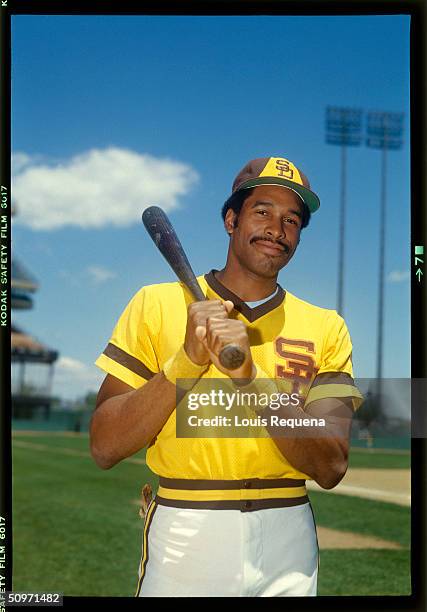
(269, 239)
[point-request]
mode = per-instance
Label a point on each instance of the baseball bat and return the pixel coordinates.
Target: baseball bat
(163, 234)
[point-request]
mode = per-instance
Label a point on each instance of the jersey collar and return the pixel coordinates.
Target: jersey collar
(251, 314)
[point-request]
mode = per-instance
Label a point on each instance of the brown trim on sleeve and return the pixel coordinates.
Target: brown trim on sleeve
(213, 485)
(128, 361)
(251, 314)
(333, 378)
(244, 505)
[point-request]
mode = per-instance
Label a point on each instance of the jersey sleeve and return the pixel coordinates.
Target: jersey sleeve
(130, 354)
(335, 375)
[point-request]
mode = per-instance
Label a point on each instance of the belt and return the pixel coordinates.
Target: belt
(245, 495)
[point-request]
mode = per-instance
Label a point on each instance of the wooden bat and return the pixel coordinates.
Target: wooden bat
(163, 234)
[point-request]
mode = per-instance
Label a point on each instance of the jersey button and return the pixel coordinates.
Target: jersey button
(247, 484)
(248, 505)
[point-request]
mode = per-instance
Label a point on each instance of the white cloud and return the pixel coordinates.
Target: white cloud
(398, 276)
(20, 161)
(73, 379)
(97, 188)
(99, 274)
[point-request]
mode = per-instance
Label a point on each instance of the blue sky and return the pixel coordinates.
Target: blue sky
(111, 114)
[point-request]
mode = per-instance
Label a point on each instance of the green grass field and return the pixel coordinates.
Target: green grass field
(375, 459)
(76, 528)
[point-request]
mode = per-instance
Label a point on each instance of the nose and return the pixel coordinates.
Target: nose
(275, 228)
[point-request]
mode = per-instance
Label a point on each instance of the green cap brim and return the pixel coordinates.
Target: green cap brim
(309, 197)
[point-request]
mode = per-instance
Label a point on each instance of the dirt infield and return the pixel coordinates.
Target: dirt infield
(333, 538)
(393, 486)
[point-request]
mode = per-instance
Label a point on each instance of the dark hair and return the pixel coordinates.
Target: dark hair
(236, 201)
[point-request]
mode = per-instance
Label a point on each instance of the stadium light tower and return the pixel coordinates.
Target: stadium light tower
(384, 132)
(343, 127)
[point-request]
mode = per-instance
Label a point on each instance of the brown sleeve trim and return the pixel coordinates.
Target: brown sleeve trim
(335, 378)
(128, 361)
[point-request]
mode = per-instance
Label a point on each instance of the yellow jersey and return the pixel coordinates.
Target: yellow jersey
(289, 338)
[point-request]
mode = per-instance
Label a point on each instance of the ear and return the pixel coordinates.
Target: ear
(230, 221)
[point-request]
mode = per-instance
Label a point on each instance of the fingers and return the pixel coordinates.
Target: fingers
(200, 333)
(198, 314)
(228, 306)
(213, 330)
(220, 332)
(215, 334)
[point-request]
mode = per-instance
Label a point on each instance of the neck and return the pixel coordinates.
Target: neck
(244, 283)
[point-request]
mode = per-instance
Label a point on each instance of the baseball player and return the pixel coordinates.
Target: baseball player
(231, 516)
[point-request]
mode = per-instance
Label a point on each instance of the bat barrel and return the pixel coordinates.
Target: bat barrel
(162, 233)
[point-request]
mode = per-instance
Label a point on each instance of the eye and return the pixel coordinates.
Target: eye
(261, 211)
(290, 220)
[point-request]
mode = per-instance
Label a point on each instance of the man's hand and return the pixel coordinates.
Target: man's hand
(218, 332)
(198, 314)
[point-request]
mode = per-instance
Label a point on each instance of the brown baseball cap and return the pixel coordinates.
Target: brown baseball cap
(276, 171)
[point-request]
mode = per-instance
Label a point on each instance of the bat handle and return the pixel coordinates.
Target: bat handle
(196, 290)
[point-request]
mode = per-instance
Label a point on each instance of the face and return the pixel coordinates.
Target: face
(265, 234)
